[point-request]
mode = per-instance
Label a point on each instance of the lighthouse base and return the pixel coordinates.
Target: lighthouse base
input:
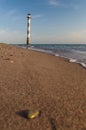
(28, 42)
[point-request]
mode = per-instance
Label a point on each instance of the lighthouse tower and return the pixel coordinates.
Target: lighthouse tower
(28, 29)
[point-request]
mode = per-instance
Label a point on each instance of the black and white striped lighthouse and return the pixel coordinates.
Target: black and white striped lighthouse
(28, 29)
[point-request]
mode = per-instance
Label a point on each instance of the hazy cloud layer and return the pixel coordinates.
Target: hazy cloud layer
(19, 37)
(11, 13)
(37, 16)
(59, 3)
(12, 36)
(72, 37)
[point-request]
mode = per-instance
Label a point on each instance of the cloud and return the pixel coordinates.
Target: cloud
(17, 18)
(72, 37)
(58, 3)
(76, 7)
(79, 36)
(54, 2)
(18, 37)
(11, 13)
(14, 37)
(37, 16)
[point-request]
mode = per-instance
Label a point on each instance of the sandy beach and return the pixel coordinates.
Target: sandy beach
(34, 80)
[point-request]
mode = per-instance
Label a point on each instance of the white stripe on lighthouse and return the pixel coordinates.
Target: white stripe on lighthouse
(28, 29)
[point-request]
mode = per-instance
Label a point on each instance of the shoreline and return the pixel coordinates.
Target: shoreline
(35, 80)
(71, 60)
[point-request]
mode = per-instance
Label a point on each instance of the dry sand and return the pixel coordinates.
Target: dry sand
(34, 80)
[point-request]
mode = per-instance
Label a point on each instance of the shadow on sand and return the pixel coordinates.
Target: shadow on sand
(22, 113)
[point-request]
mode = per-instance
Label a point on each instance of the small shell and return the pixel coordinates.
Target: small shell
(33, 114)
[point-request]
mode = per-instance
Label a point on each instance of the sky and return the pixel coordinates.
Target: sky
(52, 21)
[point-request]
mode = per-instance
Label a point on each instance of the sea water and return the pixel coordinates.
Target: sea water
(73, 52)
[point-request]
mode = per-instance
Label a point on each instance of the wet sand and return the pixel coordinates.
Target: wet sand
(33, 80)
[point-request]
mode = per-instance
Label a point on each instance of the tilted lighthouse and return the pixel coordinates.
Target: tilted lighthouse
(28, 29)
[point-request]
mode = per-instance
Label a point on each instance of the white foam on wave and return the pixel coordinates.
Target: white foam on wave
(56, 54)
(83, 64)
(32, 46)
(72, 60)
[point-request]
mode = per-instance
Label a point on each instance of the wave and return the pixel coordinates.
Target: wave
(73, 52)
(70, 59)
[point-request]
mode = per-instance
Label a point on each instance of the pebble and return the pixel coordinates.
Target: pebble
(32, 114)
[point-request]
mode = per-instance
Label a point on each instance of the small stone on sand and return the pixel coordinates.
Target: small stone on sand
(32, 114)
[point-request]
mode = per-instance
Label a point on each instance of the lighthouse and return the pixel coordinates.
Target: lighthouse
(28, 29)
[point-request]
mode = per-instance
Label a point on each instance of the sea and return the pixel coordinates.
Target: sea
(73, 52)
